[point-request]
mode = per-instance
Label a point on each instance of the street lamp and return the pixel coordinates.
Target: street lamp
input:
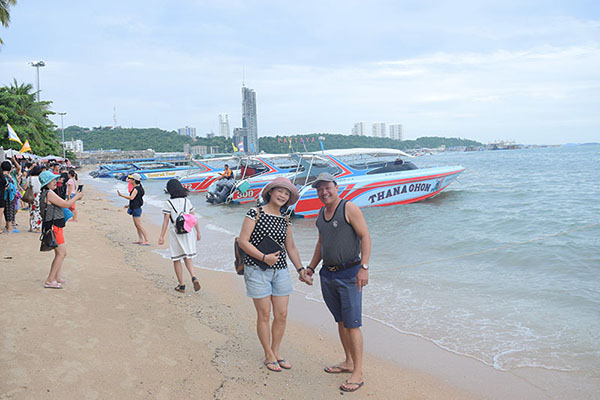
(62, 129)
(37, 65)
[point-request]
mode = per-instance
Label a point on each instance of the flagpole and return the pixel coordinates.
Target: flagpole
(62, 128)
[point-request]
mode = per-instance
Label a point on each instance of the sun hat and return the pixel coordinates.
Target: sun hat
(323, 177)
(135, 177)
(46, 177)
(282, 183)
(189, 222)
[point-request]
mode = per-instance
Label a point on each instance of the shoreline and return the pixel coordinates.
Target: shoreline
(226, 318)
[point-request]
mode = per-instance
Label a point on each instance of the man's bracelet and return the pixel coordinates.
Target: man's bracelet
(312, 269)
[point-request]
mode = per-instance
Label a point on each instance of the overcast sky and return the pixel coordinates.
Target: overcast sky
(523, 70)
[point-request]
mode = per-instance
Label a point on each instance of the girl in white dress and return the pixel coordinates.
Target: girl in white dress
(182, 246)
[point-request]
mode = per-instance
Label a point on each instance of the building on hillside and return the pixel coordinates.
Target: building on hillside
(249, 122)
(224, 125)
(359, 129)
(195, 150)
(76, 146)
(396, 132)
(379, 130)
(187, 131)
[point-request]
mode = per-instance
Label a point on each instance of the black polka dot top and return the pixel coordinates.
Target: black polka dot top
(274, 226)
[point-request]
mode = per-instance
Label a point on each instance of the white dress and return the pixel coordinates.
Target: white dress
(180, 245)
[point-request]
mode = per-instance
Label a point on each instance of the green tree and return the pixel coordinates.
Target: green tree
(4, 14)
(28, 117)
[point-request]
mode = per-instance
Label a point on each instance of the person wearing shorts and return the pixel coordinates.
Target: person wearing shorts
(136, 200)
(344, 245)
(51, 210)
(266, 275)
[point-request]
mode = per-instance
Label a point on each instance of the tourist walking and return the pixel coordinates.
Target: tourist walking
(136, 201)
(35, 218)
(72, 190)
(10, 196)
(344, 245)
(182, 245)
(51, 209)
(266, 273)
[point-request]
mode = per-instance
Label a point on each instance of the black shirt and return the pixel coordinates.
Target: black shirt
(137, 201)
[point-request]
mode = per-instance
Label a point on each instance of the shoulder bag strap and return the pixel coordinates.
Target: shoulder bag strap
(174, 209)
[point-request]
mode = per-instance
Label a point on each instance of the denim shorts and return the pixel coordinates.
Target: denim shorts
(135, 212)
(271, 282)
(341, 295)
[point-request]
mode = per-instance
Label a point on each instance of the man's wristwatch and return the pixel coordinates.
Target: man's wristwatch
(365, 266)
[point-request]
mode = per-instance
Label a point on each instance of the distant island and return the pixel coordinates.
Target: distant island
(159, 140)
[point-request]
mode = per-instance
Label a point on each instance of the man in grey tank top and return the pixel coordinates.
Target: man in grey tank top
(344, 245)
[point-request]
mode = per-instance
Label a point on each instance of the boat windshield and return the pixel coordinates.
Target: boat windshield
(367, 161)
(310, 166)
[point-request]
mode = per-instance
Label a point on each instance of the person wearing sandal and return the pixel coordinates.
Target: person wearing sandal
(136, 200)
(51, 208)
(266, 276)
(182, 246)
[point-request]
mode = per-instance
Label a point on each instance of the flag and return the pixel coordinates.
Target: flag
(290, 142)
(241, 145)
(26, 147)
(322, 147)
(304, 144)
(235, 149)
(278, 140)
(313, 139)
(12, 135)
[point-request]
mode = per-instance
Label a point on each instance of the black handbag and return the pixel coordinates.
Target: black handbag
(48, 240)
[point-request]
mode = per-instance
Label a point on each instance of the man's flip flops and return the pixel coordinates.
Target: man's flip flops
(336, 369)
(351, 386)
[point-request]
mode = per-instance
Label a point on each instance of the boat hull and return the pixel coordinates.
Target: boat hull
(385, 190)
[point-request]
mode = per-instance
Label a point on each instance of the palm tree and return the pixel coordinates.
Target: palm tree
(4, 14)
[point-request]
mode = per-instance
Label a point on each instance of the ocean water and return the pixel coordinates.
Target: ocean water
(502, 267)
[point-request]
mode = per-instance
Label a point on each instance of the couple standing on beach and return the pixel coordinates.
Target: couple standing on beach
(344, 246)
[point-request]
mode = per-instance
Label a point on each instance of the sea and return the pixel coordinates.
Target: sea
(502, 267)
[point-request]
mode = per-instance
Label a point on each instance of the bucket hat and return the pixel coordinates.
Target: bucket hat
(46, 177)
(283, 183)
(323, 177)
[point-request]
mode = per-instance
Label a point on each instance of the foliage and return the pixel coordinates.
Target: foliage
(4, 14)
(138, 139)
(280, 144)
(29, 119)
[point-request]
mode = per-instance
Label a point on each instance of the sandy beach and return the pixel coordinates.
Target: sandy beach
(118, 330)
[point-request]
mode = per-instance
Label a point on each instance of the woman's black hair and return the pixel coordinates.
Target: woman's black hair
(176, 189)
(72, 172)
(35, 171)
(6, 165)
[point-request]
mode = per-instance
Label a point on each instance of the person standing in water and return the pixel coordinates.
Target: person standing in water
(135, 207)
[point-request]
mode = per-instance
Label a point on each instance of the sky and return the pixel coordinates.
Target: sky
(524, 71)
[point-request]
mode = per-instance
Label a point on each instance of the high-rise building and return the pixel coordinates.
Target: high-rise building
(249, 119)
(359, 129)
(187, 131)
(379, 129)
(396, 132)
(240, 139)
(224, 125)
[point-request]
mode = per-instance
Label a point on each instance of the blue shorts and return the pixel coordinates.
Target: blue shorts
(341, 295)
(135, 212)
(271, 282)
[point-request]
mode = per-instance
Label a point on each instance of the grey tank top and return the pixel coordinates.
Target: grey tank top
(339, 242)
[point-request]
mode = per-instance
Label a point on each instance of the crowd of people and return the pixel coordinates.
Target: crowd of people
(343, 246)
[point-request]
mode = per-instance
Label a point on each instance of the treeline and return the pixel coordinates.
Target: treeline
(108, 138)
(164, 141)
(29, 119)
(310, 142)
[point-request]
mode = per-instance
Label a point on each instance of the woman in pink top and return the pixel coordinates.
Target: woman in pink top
(72, 191)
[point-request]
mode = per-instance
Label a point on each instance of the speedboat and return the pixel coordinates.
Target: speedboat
(376, 178)
(210, 172)
(110, 170)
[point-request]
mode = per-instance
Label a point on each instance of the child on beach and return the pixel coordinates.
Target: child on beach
(182, 246)
(72, 190)
(136, 201)
(51, 206)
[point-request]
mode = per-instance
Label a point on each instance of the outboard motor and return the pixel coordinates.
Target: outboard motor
(218, 191)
